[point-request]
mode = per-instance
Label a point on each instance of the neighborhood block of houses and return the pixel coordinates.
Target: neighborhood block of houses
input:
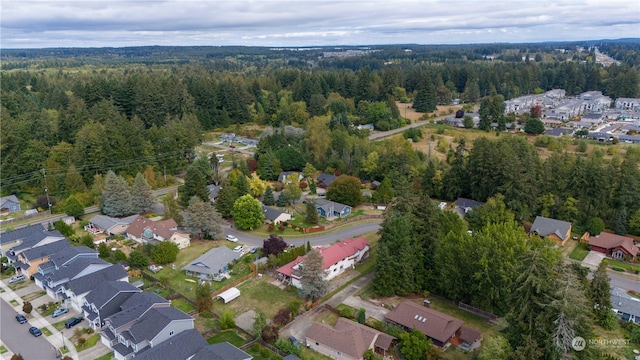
(9, 204)
(130, 322)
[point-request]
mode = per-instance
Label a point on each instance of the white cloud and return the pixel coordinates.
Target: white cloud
(49, 23)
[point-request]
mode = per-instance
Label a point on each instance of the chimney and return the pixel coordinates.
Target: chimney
(427, 303)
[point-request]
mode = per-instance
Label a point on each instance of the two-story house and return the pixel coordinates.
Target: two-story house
(105, 300)
(53, 279)
(14, 242)
(145, 231)
(133, 330)
(76, 289)
(190, 345)
(337, 258)
(27, 261)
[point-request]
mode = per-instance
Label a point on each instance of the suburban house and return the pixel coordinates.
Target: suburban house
(557, 132)
(16, 241)
(147, 330)
(274, 216)
(329, 209)
(324, 180)
(555, 230)
(27, 261)
(615, 246)
(625, 306)
(283, 177)
(78, 288)
(9, 204)
(462, 205)
(347, 339)
(627, 104)
(441, 328)
(52, 278)
(213, 264)
(337, 258)
(105, 300)
(103, 224)
(190, 345)
(145, 231)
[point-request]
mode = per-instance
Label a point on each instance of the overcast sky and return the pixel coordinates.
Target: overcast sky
(89, 23)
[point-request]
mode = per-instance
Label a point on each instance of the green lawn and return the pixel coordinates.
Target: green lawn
(49, 310)
(470, 320)
(229, 336)
(108, 356)
(46, 331)
(630, 267)
(579, 252)
(183, 305)
(257, 293)
(91, 341)
(3, 349)
(59, 325)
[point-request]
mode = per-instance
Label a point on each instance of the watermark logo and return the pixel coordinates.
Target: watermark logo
(578, 343)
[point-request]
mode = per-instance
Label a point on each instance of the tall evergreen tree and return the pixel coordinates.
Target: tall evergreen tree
(268, 197)
(195, 184)
(227, 196)
(202, 219)
(116, 196)
(314, 284)
(425, 100)
(599, 292)
(311, 213)
(142, 199)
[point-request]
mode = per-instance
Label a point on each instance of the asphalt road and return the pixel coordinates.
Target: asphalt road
(315, 240)
(16, 337)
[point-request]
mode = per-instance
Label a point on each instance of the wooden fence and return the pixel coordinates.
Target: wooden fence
(229, 286)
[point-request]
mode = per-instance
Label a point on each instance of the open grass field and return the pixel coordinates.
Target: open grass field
(258, 293)
(579, 252)
(630, 267)
(229, 336)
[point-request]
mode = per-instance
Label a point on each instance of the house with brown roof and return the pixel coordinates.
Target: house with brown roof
(337, 258)
(615, 246)
(144, 231)
(441, 328)
(347, 340)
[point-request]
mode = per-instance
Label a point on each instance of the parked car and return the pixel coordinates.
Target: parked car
(59, 312)
(16, 278)
(73, 322)
(253, 250)
(21, 318)
(35, 331)
(295, 341)
(232, 238)
(237, 248)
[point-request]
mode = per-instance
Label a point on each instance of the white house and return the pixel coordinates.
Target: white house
(337, 258)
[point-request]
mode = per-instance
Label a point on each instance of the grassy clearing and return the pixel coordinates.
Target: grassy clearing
(34, 295)
(46, 331)
(59, 325)
(230, 336)
(3, 349)
(49, 310)
(258, 293)
(618, 351)
(327, 317)
(309, 354)
(579, 252)
(182, 305)
(630, 267)
(196, 249)
(469, 319)
(13, 302)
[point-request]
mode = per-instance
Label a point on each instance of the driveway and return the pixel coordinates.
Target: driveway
(371, 309)
(593, 260)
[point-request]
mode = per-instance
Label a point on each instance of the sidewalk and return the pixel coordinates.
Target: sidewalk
(55, 339)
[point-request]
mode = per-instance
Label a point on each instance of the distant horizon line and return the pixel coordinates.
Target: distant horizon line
(627, 39)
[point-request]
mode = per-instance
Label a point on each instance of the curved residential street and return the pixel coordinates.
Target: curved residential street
(348, 231)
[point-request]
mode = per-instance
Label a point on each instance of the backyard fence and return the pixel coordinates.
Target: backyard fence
(474, 310)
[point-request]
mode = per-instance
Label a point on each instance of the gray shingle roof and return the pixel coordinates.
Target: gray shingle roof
(270, 213)
(106, 222)
(21, 233)
(221, 351)
(134, 307)
(328, 204)
(45, 250)
(154, 321)
(34, 238)
(326, 179)
(544, 227)
(87, 283)
(624, 303)
(106, 291)
(467, 203)
(213, 261)
(73, 269)
(65, 255)
(178, 347)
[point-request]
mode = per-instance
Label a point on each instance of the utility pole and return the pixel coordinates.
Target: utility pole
(46, 189)
(165, 174)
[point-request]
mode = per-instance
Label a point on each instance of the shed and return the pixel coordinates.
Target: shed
(229, 295)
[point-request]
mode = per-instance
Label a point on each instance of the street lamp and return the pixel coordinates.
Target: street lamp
(63, 344)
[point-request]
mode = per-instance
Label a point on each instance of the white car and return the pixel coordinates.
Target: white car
(238, 248)
(232, 238)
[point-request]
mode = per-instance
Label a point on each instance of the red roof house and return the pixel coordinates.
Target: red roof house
(615, 246)
(337, 258)
(144, 230)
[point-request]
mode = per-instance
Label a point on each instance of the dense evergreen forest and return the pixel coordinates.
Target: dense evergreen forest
(74, 114)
